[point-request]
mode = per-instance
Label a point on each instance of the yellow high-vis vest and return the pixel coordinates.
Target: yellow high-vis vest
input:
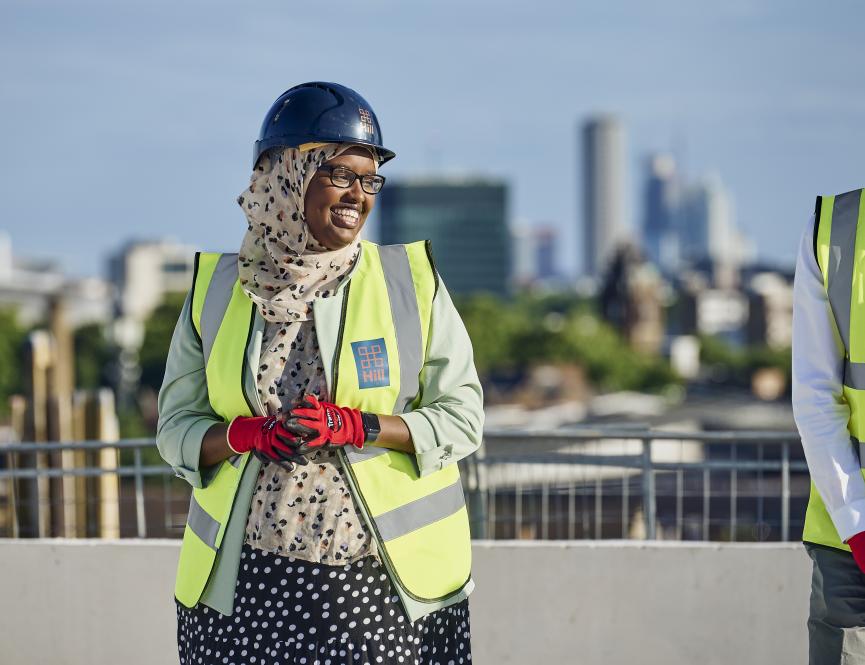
(420, 524)
(840, 248)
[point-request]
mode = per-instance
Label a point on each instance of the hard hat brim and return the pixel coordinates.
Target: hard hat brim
(262, 146)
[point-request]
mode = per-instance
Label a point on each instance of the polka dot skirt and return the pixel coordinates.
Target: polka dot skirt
(293, 612)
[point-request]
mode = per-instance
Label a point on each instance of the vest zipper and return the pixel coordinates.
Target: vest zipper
(352, 481)
(335, 369)
(243, 368)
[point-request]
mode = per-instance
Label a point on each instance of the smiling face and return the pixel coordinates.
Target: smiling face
(336, 215)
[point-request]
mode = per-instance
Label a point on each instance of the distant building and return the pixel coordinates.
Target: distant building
(770, 317)
(722, 312)
(661, 205)
(546, 253)
(631, 300)
(29, 286)
(524, 268)
(707, 227)
(603, 183)
(466, 220)
(533, 255)
(144, 273)
(704, 310)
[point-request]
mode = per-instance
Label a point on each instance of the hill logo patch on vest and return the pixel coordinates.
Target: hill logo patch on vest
(370, 359)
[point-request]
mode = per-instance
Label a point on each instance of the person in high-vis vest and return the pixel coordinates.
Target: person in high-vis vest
(318, 394)
(829, 408)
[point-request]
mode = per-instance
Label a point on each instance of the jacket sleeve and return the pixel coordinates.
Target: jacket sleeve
(819, 408)
(447, 424)
(184, 408)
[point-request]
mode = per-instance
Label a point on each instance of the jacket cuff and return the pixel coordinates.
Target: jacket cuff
(430, 456)
(190, 453)
(849, 519)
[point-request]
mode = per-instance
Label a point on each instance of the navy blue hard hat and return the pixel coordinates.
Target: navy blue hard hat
(320, 112)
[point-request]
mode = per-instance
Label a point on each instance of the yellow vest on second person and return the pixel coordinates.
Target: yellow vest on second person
(420, 523)
(840, 248)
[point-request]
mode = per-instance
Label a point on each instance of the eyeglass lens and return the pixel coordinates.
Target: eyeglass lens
(343, 177)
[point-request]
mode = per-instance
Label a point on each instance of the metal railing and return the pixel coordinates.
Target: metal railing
(638, 483)
(562, 484)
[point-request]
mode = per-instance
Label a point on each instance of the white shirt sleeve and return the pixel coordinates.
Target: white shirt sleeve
(820, 413)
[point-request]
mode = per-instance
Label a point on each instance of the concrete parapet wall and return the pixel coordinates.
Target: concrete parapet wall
(99, 602)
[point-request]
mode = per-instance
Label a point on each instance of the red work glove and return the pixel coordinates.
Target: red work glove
(267, 439)
(318, 423)
(857, 544)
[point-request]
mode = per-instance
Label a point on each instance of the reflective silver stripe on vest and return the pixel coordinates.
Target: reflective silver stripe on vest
(202, 524)
(842, 241)
(854, 375)
(236, 460)
(406, 320)
(216, 301)
(365, 453)
(421, 512)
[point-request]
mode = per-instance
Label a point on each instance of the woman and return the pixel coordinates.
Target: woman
(318, 393)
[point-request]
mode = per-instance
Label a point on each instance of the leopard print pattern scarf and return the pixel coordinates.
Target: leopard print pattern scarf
(281, 266)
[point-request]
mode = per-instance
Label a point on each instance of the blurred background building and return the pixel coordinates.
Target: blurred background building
(603, 185)
(466, 220)
(660, 214)
(145, 272)
(534, 255)
(28, 286)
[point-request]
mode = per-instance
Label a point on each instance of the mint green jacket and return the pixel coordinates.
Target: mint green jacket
(446, 426)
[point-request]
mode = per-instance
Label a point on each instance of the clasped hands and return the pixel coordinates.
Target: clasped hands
(287, 438)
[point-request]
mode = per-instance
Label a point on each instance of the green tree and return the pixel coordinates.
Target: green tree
(12, 336)
(94, 356)
(735, 365)
(557, 329)
(763, 356)
(492, 327)
(157, 339)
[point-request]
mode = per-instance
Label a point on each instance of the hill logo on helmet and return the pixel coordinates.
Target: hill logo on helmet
(366, 121)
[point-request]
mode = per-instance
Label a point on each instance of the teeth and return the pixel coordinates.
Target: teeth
(347, 212)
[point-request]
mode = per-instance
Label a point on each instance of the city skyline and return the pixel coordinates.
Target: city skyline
(152, 123)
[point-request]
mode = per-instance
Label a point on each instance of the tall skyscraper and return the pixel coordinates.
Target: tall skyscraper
(466, 219)
(603, 148)
(706, 227)
(660, 238)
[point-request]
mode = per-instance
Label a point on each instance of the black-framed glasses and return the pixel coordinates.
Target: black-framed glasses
(341, 176)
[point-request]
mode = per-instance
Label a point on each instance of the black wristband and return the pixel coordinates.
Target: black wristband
(371, 426)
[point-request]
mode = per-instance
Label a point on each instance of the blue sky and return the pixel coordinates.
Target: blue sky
(136, 119)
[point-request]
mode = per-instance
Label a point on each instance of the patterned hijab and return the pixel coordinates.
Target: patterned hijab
(281, 266)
